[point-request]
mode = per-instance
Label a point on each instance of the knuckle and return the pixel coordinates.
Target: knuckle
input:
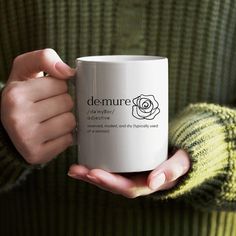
(17, 60)
(32, 159)
(32, 155)
(13, 94)
(46, 53)
(175, 173)
(12, 123)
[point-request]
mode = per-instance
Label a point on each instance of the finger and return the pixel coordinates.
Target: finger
(80, 172)
(52, 107)
(56, 127)
(168, 185)
(108, 181)
(54, 147)
(129, 187)
(115, 183)
(40, 89)
(169, 170)
(47, 60)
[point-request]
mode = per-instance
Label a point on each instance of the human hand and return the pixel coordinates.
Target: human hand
(132, 185)
(35, 110)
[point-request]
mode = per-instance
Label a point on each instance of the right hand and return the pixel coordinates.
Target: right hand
(36, 110)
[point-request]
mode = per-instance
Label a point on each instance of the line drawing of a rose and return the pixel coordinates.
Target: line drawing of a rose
(145, 107)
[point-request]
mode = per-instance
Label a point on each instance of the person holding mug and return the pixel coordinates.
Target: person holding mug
(190, 193)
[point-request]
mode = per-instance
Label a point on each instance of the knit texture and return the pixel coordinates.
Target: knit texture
(13, 167)
(198, 37)
(208, 133)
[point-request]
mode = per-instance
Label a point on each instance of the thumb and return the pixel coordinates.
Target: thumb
(28, 65)
(170, 170)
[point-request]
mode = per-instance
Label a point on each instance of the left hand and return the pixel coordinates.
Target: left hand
(132, 185)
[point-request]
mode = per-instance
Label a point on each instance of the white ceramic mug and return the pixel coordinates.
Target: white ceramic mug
(122, 111)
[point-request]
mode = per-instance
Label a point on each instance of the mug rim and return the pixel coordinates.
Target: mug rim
(119, 58)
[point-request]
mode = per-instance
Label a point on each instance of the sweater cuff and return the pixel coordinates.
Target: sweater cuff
(207, 133)
(13, 167)
(8, 150)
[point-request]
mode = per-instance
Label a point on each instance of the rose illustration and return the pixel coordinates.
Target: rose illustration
(145, 107)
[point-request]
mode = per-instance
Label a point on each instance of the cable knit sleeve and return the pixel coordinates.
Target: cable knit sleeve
(208, 133)
(13, 168)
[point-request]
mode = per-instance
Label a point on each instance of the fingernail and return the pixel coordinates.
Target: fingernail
(64, 69)
(157, 181)
(179, 170)
(71, 175)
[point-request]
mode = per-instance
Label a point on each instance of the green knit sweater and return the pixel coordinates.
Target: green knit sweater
(199, 39)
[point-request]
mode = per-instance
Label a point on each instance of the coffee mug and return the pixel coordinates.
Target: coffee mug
(122, 112)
